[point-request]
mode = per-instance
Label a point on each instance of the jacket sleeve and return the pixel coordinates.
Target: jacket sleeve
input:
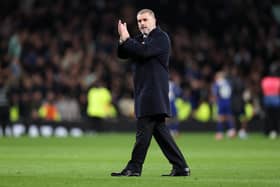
(154, 46)
(121, 52)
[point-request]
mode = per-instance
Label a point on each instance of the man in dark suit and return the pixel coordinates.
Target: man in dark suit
(150, 53)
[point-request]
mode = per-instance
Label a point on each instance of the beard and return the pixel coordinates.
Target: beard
(145, 31)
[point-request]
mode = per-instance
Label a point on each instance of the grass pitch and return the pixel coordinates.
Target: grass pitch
(88, 161)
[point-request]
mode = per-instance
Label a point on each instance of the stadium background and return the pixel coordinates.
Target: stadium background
(53, 52)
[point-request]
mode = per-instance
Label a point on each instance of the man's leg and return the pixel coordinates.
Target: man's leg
(168, 145)
(143, 139)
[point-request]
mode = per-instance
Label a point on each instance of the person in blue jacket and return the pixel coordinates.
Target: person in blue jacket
(222, 93)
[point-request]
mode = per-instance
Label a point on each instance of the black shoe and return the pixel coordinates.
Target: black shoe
(176, 172)
(127, 173)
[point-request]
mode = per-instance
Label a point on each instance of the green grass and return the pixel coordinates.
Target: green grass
(88, 161)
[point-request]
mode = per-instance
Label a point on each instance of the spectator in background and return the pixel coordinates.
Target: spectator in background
(99, 103)
(173, 123)
(48, 110)
(26, 100)
(4, 102)
(14, 106)
(15, 48)
(271, 100)
(222, 93)
(35, 106)
(237, 101)
(68, 108)
(174, 92)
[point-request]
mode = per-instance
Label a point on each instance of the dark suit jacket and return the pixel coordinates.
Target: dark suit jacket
(151, 58)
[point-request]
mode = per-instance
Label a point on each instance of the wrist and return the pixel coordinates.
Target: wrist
(122, 40)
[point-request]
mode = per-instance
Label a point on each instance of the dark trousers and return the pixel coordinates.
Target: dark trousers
(4, 118)
(272, 121)
(154, 126)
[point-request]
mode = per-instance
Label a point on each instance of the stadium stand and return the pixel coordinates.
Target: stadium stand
(66, 47)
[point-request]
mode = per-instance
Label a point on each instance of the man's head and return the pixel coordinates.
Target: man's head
(146, 21)
(220, 75)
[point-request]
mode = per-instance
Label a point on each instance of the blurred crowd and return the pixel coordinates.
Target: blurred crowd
(54, 52)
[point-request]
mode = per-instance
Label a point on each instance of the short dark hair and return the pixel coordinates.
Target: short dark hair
(146, 11)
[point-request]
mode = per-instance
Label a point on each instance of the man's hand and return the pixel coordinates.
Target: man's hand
(123, 32)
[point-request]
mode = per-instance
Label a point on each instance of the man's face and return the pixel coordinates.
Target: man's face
(146, 22)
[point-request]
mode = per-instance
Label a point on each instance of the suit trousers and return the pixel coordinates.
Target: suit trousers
(154, 126)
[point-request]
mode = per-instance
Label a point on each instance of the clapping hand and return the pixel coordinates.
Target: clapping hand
(123, 32)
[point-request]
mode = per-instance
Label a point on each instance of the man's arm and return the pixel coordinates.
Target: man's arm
(153, 47)
(121, 52)
(124, 35)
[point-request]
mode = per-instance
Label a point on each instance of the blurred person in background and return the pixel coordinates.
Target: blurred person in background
(15, 48)
(222, 93)
(271, 100)
(238, 102)
(99, 104)
(4, 99)
(68, 108)
(150, 53)
(26, 99)
(35, 105)
(174, 92)
(48, 110)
